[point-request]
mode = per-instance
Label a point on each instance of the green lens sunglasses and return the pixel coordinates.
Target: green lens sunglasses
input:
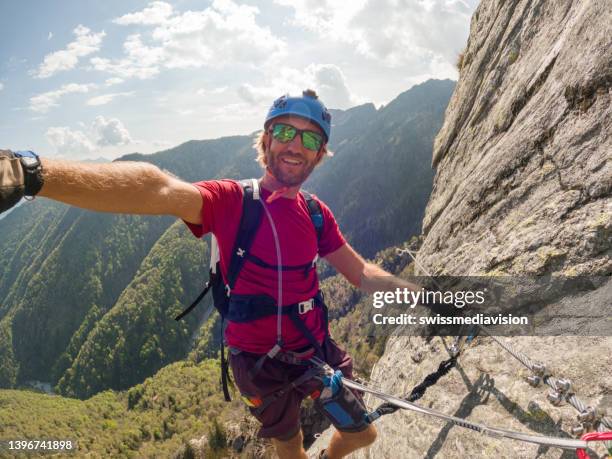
(285, 133)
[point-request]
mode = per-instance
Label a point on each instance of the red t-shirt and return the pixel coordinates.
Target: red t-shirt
(221, 212)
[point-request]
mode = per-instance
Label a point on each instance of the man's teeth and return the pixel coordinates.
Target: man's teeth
(291, 161)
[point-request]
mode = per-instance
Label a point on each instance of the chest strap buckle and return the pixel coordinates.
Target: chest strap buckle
(305, 306)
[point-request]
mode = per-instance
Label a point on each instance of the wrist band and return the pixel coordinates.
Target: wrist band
(32, 171)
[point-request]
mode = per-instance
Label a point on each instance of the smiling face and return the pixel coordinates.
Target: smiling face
(291, 163)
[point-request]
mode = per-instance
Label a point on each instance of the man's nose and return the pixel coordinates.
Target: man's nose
(296, 141)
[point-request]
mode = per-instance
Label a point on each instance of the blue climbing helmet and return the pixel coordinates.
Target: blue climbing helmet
(306, 106)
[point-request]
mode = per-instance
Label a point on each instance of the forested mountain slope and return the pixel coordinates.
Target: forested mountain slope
(88, 299)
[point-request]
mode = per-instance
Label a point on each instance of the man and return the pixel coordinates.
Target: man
(293, 143)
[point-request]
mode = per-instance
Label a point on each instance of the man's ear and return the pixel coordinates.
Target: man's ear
(322, 152)
(266, 140)
(265, 144)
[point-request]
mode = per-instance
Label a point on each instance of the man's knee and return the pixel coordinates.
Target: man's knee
(290, 441)
(290, 448)
(362, 438)
(369, 435)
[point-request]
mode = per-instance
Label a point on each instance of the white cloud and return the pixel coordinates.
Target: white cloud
(396, 32)
(69, 142)
(253, 95)
(110, 132)
(87, 141)
(161, 143)
(207, 92)
(331, 86)
(155, 13)
(186, 112)
(50, 36)
(222, 34)
(85, 44)
(237, 112)
(437, 27)
(141, 61)
(41, 103)
(330, 18)
(106, 98)
(326, 79)
(1, 86)
(113, 81)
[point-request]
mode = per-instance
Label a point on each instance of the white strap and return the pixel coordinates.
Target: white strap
(255, 189)
(214, 253)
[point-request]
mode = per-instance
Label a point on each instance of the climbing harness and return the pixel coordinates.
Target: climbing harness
(340, 405)
(246, 308)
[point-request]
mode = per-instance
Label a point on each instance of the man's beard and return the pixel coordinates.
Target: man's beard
(285, 177)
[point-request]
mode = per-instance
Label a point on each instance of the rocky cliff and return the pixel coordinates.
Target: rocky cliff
(523, 184)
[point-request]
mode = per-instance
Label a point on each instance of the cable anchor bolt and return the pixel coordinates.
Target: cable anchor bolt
(555, 398)
(577, 430)
(563, 385)
(587, 415)
(454, 350)
(539, 369)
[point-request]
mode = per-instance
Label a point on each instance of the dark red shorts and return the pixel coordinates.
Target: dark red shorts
(281, 419)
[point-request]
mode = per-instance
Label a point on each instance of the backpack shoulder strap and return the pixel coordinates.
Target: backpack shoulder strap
(316, 215)
(249, 222)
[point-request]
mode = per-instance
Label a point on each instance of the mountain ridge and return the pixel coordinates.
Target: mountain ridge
(82, 262)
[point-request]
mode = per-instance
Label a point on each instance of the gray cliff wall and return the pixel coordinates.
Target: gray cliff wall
(523, 160)
(523, 184)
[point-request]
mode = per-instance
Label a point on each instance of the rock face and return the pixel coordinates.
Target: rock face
(523, 185)
(523, 160)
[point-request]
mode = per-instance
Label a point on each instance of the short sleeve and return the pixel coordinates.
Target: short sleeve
(332, 238)
(219, 198)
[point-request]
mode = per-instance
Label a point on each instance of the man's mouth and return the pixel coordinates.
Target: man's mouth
(290, 161)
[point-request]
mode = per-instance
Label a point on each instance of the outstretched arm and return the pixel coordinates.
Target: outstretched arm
(121, 187)
(366, 276)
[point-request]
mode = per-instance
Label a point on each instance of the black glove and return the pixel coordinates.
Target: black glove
(12, 181)
(20, 175)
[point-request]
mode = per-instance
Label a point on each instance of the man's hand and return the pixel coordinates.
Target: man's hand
(12, 184)
(118, 187)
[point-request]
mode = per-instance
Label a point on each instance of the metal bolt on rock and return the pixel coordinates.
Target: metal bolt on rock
(555, 398)
(564, 385)
(454, 350)
(587, 415)
(539, 369)
(578, 430)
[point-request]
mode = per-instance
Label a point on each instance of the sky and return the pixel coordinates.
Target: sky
(87, 79)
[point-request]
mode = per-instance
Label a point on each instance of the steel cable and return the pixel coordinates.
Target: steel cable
(551, 381)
